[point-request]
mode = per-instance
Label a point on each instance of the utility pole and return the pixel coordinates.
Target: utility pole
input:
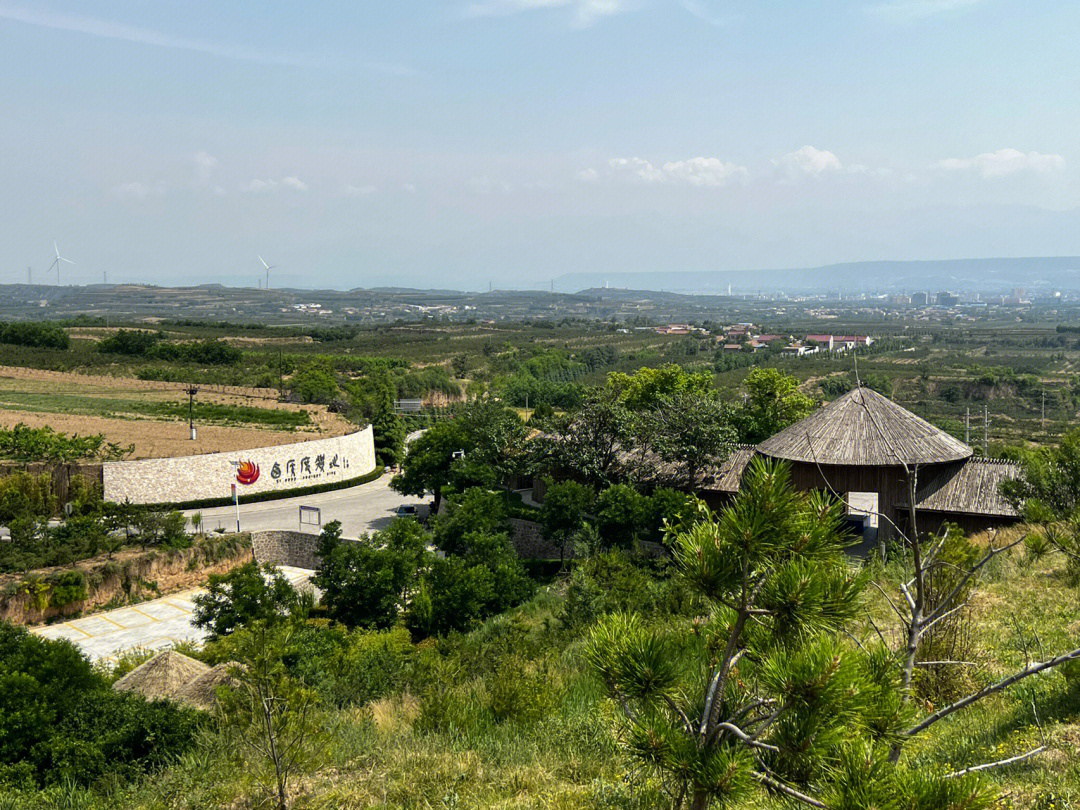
(191, 391)
(280, 376)
(986, 431)
(967, 425)
(1043, 410)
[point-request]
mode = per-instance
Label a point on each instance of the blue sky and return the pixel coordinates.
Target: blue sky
(453, 143)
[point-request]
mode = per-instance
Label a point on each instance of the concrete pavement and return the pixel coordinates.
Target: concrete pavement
(154, 625)
(362, 509)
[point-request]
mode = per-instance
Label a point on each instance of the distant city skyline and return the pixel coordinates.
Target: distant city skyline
(452, 144)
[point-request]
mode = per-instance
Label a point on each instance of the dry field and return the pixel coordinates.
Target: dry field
(66, 402)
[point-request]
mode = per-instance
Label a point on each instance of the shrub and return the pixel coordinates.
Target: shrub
(42, 335)
(315, 382)
(133, 342)
(60, 720)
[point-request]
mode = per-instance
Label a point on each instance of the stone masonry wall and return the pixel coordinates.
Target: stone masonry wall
(265, 469)
(286, 548)
(530, 543)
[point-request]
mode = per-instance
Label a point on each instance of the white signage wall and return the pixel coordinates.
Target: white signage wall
(264, 469)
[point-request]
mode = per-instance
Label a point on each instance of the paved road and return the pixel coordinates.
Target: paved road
(155, 625)
(366, 508)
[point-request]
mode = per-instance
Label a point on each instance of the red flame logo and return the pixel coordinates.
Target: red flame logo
(247, 472)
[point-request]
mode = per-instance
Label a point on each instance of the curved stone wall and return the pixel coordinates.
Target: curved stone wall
(265, 469)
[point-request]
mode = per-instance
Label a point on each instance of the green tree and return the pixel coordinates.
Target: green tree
(272, 711)
(366, 583)
(371, 400)
(314, 382)
(621, 515)
(460, 364)
(588, 443)
(1049, 483)
(60, 720)
(479, 510)
(566, 505)
(691, 431)
(428, 461)
(133, 342)
(645, 388)
(246, 594)
(773, 401)
(761, 693)
(484, 578)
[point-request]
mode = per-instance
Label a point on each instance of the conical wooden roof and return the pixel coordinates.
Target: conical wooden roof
(863, 428)
(163, 676)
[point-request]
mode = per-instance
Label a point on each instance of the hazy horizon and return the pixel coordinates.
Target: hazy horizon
(446, 145)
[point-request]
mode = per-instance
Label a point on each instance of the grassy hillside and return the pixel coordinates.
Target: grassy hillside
(507, 716)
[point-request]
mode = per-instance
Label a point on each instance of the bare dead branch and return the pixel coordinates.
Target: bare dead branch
(998, 763)
(1034, 669)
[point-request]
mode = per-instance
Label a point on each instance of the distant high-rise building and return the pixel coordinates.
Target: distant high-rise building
(947, 299)
(920, 299)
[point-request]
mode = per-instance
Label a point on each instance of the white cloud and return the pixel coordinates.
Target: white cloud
(262, 186)
(360, 191)
(702, 171)
(904, 11)
(408, 187)
(1004, 162)
(588, 175)
(639, 167)
(204, 165)
(583, 12)
(808, 162)
(217, 191)
(698, 171)
(132, 191)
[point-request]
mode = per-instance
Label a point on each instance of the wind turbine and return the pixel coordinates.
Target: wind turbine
(57, 261)
(268, 267)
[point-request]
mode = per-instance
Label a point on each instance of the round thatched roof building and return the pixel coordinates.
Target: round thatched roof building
(864, 429)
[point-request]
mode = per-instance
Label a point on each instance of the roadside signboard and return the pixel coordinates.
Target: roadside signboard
(310, 516)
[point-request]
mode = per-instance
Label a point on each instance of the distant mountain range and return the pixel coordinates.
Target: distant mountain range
(977, 275)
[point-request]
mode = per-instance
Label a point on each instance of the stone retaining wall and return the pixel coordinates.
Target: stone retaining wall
(530, 543)
(286, 548)
(265, 469)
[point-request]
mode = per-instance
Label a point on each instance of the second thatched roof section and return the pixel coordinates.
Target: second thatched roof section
(863, 428)
(165, 675)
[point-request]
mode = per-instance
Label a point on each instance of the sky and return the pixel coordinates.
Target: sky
(462, 143)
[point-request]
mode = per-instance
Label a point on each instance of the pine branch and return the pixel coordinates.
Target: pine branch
(780, 787)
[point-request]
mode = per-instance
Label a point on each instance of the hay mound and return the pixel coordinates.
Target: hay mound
(163, 676)
(202, 692)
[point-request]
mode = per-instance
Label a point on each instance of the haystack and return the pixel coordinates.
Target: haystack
(163, 676)
(202, 692)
